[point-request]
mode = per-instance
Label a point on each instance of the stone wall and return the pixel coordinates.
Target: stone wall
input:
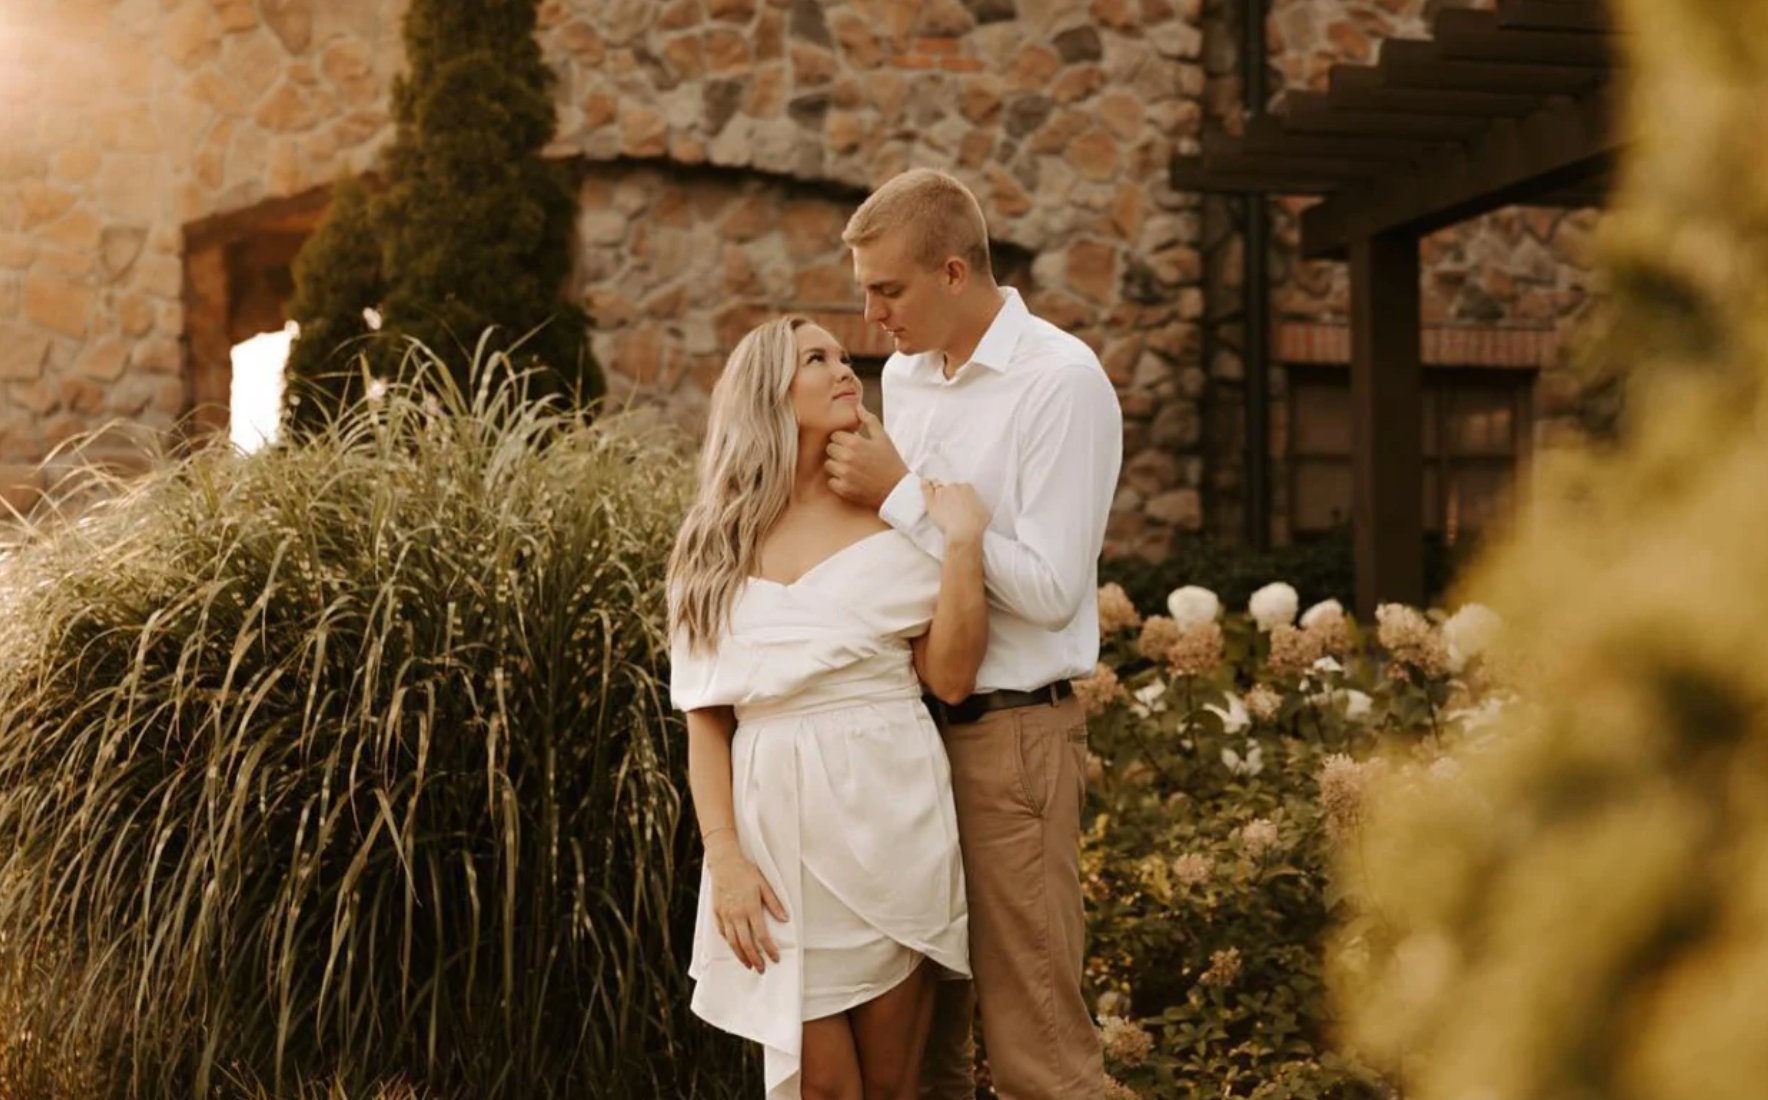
(159, 115)
(121, 122)
(678, 265)
(1062, 117)
(160, 158)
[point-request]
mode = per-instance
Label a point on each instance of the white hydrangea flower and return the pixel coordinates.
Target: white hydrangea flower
(1148, 700)
(1325, 609)
(1125, 1042)
(1263, 702)
(1112, 1003)
(1274, 605)
(1469, 633)
(1193, 606)
(1259, 837)
(1234, 717)
(1249, 765)
(1317, 673)
(1356, 704)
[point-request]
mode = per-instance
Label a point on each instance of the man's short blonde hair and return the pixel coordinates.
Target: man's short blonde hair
(940, 215)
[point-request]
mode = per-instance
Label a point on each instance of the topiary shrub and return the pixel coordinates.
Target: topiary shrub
(337, 276)
(471, 227)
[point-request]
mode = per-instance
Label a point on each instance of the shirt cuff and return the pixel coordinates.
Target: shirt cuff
(905, 505)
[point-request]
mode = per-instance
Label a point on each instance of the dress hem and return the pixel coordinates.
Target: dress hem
(870, 996)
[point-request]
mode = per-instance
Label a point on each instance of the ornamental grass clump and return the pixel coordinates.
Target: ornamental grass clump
(352, 761)
(1587, 918)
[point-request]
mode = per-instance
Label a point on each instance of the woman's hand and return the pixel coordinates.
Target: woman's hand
(956, 510)
(740, 900)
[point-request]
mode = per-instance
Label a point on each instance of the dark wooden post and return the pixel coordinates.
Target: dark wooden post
(208, 315)
(1387, 403)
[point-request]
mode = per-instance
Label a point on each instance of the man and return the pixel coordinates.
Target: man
(980, 390)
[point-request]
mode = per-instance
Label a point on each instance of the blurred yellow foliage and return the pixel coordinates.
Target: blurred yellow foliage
(1588, 915)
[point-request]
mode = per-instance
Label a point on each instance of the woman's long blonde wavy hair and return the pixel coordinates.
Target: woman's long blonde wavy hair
(746, 472)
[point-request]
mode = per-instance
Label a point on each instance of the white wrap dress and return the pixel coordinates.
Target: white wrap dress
(841, 792)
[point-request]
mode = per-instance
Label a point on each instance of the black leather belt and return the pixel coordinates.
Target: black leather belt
(975, 706)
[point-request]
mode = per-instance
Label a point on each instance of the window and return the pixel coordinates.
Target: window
(255, 404)
(1476, 428)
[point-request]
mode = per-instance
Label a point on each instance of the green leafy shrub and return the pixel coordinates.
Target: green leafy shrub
(352, 761)
(1228, 760)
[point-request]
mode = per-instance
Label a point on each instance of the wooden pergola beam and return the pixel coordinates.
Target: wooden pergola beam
(1421, 64)
(1595, 193)
(1361, 88)
(1577, 16)
(1267, 134)
(1226, 153)
(1475, 35)
(1564, 144)
(1313, 113)
(1310, 169)
(1190, 174)
(1503, 107)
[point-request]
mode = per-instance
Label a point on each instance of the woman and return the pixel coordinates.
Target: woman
(833, 895)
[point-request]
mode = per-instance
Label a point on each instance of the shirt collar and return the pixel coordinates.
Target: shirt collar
(995, 349)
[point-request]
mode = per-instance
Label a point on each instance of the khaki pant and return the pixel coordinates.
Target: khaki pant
(1019, 779)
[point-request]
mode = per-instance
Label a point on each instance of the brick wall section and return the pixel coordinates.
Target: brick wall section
(1451, 346)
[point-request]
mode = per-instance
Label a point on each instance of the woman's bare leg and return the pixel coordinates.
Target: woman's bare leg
(829, 1065)
(890, 1034)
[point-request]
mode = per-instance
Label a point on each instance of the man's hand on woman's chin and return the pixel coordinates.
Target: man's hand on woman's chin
(864, 466)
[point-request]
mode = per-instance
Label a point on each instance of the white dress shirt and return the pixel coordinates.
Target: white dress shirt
(1033, 422)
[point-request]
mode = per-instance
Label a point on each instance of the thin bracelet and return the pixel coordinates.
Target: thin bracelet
(710, 833)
